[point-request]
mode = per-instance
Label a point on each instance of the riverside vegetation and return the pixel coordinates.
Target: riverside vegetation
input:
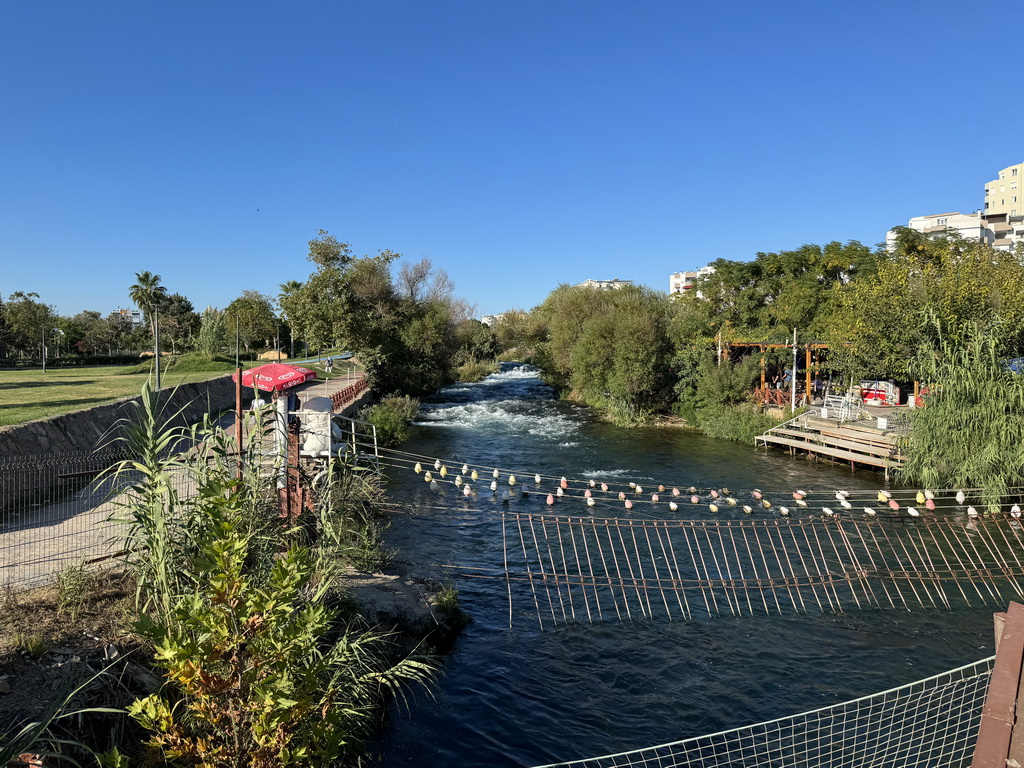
(944, 311)
(265, 660)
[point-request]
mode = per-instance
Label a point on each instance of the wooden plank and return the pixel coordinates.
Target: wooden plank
(997, 717)
(827, 439)
(860, 458)
(889, 451)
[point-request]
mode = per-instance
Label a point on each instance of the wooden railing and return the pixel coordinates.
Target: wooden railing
(342, 397)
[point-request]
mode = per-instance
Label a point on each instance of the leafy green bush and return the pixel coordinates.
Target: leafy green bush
(251, 680)
(741, 423)
(391, 417)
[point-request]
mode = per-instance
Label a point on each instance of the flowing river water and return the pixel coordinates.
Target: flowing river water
(527, 696)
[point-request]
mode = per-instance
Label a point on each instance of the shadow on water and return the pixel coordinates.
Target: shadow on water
(521, 696)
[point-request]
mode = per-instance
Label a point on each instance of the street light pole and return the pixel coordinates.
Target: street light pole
(42, 334)
(156, 345)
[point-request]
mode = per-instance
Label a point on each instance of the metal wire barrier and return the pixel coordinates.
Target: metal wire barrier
(55, 512)
(932, 722)
(587, 569)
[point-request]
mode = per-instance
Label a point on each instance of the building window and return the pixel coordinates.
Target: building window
(1013, 185)
(1013, 172)
(942, 222)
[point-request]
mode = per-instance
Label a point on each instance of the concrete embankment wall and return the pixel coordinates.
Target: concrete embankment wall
(90, 430)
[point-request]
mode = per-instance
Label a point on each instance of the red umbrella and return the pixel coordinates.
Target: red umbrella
(275, 376)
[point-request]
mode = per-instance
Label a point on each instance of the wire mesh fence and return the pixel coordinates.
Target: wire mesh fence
(59, 510)
(932, 722)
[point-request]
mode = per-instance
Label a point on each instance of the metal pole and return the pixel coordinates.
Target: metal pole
(43, 345)
(156, 345)
(792, 395)
(278, 343)
(238, 405)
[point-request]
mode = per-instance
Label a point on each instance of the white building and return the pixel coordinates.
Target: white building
(605, 285)
(680, 282)
(133, 315)
(1000, 223)
(1000, 230)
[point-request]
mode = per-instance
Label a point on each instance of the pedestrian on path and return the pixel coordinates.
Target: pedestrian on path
(329, 365)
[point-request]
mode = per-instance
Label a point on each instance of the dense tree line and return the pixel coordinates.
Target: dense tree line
(634, 353)
(404, 322)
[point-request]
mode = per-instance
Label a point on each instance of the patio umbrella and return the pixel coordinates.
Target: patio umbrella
(275, 376)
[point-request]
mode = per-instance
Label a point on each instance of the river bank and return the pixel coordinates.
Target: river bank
(520, 696)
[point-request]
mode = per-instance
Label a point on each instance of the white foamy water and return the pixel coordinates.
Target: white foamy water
(504, 416)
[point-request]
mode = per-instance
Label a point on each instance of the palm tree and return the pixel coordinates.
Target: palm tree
(148, 295)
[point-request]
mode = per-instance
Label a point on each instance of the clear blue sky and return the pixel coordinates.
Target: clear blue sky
(516, 144)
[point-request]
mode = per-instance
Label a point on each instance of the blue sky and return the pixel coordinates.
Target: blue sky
(516, 144)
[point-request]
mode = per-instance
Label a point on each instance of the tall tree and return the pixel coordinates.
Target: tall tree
(148, 295)
(290, 309)
(29, 321)
(180, 321)
(254, 314)
(212, 332)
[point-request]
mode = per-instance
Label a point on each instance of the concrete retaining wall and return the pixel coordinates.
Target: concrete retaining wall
(89, 430)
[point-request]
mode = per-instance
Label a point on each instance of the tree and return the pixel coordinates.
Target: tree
(290, 308)
(610, 348)
(180, 321)
(882, 321)
(29, 321)
(148, 295)
(212, 337)
(254, 314)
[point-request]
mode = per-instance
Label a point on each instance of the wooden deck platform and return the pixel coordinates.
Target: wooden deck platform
(859, 443)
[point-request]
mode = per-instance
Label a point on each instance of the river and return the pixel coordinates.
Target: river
(526, 696)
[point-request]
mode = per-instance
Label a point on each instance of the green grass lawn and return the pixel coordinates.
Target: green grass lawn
(26, 395)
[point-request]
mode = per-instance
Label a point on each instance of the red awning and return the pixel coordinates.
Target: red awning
(275, 376)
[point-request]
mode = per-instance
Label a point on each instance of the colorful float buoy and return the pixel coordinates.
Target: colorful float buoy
(437, 464)
(673, 506)
(713, 507)
(474, 475)
(961, 497)
(893, 504)
(695, 499)
(418, 468)
(550, 500)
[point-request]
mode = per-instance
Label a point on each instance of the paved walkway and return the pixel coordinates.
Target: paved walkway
(39, 540)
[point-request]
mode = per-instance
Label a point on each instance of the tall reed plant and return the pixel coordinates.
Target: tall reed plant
(970, 434)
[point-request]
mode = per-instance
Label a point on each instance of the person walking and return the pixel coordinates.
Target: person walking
(329, 365)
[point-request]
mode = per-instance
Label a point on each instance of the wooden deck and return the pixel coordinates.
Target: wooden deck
(859, 443)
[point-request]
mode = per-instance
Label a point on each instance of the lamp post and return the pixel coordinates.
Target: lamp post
(42, 336)
(58, 330)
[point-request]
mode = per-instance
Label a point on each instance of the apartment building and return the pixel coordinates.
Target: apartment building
(679, 282)
(1000, 223)
(605, 285)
